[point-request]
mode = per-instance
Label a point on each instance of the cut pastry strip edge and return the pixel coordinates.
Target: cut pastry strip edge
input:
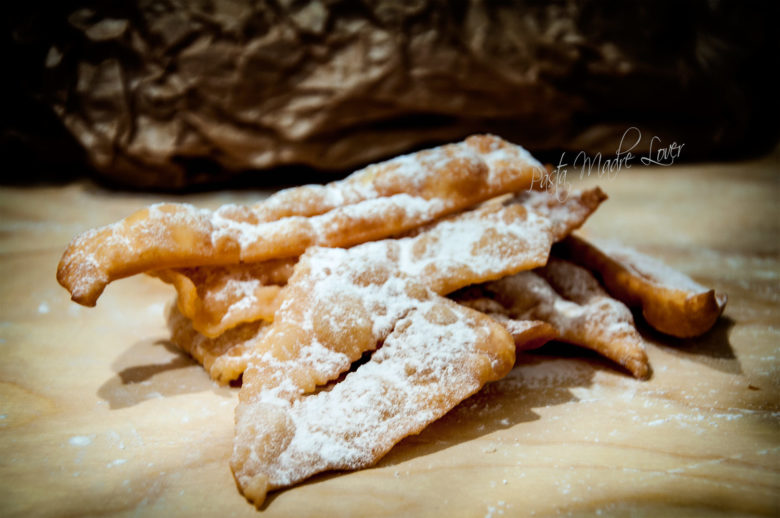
(214, 309)
(449, 274)
(583, 315)
(437, 356)
(218, 298)
(382, 200)
(684, 310)
(295, 356)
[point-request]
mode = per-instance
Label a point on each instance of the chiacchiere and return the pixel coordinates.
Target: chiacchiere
(358, 312)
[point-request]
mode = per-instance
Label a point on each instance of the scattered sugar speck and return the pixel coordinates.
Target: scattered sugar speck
(496, 510)
(80, 440)
(117, 462)
(43, 308)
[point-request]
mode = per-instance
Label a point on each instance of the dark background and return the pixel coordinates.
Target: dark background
(552, 76)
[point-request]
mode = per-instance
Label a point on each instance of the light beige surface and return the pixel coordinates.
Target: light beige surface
(100, 415)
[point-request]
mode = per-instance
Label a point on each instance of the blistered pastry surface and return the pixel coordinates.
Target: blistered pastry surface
(379, 201)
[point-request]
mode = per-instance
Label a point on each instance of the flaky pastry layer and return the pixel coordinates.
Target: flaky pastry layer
(571, 300)
(376, 202)
(487, 243)
(670, 301)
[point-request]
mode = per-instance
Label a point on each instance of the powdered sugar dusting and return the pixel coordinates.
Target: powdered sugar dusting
(241, 293)
(371, 281)
(414, 168)
(501, 157)
(649, 267)
(255, 239)
(340, 303)
(239, 288)
(415, 171)
(373, 203)
(570, 299)
(482, 245)
(420, 373)
(224, 357)
(477, 245)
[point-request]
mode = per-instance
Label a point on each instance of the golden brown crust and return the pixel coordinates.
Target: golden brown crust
(480, 245)
(436, 356)
(225, 357)
(295, 333)
(218, 298)
(340, 304)
(570, 300)
(681, 309)
(379, 201)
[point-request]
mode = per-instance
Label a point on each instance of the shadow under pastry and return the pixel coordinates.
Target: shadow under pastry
(712, 349)
(151, 369)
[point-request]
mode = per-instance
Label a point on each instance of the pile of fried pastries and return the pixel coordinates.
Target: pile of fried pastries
(358, 312)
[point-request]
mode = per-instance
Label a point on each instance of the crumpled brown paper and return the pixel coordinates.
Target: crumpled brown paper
(172, 93)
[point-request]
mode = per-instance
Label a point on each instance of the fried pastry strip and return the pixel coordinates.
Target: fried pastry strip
(341, 303)
(670, 301)
(484, 244)
(527, 334)
(572, 301)
(218, 298)
(224, 357)
(437, 355)
(379, 201)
